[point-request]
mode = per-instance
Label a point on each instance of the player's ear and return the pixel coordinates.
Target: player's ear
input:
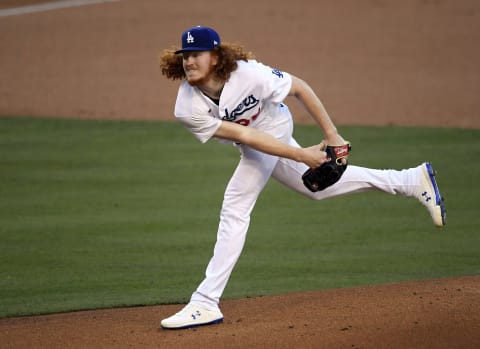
(213, 58)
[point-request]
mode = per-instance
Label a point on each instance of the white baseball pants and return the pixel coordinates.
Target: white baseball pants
(249, 179)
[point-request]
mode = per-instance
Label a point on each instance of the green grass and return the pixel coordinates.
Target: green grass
(101, 214)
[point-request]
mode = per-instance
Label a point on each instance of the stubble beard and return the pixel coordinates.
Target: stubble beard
(203, 80)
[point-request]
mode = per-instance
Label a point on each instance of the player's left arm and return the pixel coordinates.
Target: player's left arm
(313, 156)
(307, 97)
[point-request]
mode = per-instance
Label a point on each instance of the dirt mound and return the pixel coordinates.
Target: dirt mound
(427, 314)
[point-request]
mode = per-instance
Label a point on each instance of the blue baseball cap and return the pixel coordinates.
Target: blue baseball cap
(199, 39)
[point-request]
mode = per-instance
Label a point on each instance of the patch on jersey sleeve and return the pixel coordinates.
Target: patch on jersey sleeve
(277, 73)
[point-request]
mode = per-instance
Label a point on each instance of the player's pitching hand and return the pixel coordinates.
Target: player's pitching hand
(314, 156)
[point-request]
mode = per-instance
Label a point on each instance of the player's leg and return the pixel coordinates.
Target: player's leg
(243, 189)
(354, 180)
(241, 194)
(418, 182)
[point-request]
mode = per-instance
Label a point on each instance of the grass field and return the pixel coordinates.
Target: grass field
(100, 214)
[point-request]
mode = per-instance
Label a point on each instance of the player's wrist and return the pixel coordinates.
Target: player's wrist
(298, 154)
(331, 133)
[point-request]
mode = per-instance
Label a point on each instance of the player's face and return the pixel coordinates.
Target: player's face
(198, 66)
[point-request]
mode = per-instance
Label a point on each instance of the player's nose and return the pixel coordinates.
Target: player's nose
(189, 63)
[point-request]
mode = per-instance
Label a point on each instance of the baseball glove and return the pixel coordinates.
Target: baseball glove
(329, 172)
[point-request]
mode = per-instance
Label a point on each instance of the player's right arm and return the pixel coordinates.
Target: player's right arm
(310, 101)
(262, 141)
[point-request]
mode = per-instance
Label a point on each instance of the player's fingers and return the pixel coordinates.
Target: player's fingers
(323, 145)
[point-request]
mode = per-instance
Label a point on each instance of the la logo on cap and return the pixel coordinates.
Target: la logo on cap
(199, 39)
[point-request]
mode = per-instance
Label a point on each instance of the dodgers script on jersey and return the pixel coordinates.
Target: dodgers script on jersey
(253, 94)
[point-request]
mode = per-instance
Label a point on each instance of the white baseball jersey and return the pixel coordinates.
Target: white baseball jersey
(253, 97)
(250, 97)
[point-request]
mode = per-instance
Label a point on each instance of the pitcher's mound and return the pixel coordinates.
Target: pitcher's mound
(436, 314)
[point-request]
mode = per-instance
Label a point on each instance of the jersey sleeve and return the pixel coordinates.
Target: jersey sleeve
(203, 128)
(276, 84)
(193, 113)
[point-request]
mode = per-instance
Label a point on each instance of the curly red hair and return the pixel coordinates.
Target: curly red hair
(171, 64)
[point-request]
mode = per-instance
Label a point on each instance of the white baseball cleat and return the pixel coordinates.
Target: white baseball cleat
(191, 316)
(429, 195)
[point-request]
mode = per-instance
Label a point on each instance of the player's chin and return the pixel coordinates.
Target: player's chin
(195, 81)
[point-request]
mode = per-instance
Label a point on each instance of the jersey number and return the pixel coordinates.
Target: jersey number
(246, 122)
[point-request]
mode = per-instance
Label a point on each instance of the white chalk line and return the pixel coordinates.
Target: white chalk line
(54, 5)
